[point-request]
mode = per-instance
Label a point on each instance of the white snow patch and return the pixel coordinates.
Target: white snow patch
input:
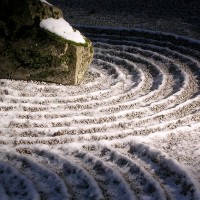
(63, 29)
(44, 1)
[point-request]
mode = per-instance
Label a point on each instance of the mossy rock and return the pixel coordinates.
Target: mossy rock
(32, 53)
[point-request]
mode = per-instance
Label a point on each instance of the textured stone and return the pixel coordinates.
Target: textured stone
(28, 52)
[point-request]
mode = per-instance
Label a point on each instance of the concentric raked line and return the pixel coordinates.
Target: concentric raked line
(103, 138)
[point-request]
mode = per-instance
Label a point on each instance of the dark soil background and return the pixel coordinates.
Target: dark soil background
(176, 16)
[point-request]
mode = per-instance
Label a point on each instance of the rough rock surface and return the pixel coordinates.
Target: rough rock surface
(28, 52)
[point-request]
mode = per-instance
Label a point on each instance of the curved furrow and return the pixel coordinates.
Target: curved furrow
(161, 80)
(140, 180)
(71, 137)
(182, 48)
(179, 111)
(191, 81)
(180, 143)
(11, 98)
(174, 176)
(192, 61)
(184, 117)
(137, 55)
(144, 72)
(81, 185)
(167, 65)
(119, 74)
(47, 183)
(111, 182)
(181, 116)
(15, 184)
(154, 47)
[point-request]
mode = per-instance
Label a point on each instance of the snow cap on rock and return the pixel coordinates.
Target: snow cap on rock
(62, 28)
(44, 1)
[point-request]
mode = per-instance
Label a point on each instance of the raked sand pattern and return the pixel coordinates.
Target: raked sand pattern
(131, 130)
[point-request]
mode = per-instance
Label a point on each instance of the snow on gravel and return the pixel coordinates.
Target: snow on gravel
(130, 130)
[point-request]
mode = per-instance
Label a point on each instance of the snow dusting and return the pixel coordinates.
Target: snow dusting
(130, 130)
(63, 29)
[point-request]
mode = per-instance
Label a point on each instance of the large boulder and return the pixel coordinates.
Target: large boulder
(29, 52)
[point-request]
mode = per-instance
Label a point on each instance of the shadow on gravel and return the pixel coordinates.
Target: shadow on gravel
(177, 16)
